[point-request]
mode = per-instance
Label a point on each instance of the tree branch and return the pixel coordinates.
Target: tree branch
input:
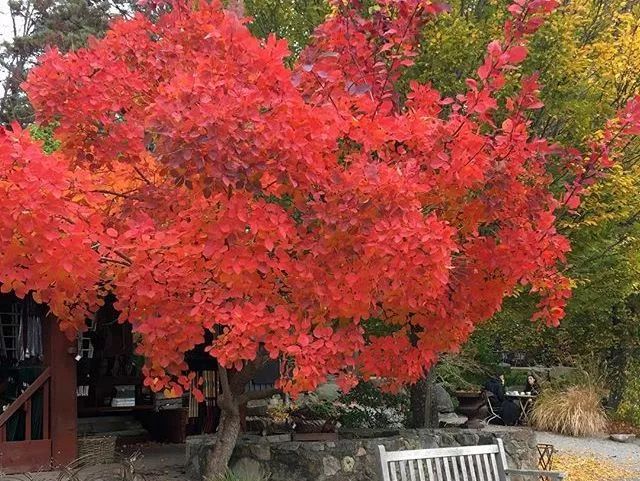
(256, 395)
(110, 192)
(142, 175)
(226, 400)
(114, 261)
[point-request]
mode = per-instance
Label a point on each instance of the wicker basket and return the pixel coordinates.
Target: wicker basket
(97, 449)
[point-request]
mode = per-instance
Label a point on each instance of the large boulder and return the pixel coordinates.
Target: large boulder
(444, 404)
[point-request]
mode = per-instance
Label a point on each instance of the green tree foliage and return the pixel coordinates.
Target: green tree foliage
(294, 20)
(586, 53)
(44, 133)
(589, 55)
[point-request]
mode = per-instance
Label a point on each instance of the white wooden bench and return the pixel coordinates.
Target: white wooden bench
(469, 463)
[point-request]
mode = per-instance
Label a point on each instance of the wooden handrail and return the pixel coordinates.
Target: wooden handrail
(16, 405)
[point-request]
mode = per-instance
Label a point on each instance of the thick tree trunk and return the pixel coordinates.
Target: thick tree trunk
(417, 400)
(232, 398)
(424, 412)
(431, 416)
(226, 439)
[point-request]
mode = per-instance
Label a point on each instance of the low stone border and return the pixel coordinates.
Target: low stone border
(353, 459)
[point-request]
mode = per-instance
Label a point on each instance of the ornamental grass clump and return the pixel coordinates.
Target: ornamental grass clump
(575, 410)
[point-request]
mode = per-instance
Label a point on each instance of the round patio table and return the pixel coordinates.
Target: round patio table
(525, 401)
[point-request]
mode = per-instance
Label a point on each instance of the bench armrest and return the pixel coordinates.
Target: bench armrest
(552, 475)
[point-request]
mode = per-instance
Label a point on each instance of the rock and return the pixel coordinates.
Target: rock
(247, 468)
(330, 465)
(447, 440)
(348, 463)
(444, 404)
(328, 391)
(261, 451)
(622, 438)
(476, 424)
(278, 438)
(466, 438)
(257, 408)
(314, 446)
(291, 446)
(349, 459)
(452, 419)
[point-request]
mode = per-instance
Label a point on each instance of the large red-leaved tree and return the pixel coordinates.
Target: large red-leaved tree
(213, 189)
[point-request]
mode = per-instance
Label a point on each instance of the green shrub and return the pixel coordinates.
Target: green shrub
(461, 371)
(629, 408)
(367, 406)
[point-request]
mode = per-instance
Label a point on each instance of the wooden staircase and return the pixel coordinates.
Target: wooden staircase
(49, 436)
(33, 447)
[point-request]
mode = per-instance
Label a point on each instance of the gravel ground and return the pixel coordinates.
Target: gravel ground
(601, 447)
(622, 455)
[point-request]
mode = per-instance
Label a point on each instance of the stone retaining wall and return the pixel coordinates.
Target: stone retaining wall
(350, 459)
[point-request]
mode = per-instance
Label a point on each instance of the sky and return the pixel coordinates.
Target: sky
(6, 32)
(5, 22)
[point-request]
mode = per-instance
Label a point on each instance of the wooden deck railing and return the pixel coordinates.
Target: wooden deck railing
(24, 403)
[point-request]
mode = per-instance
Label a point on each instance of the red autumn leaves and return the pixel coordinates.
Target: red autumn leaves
(211, 188)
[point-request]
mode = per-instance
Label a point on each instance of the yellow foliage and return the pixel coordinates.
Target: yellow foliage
(615, 199)
(593, 468)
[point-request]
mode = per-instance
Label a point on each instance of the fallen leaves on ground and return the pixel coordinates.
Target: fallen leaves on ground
(593, 468)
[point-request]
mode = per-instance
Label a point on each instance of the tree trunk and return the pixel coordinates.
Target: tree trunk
(226, 438)
(431, 416)
(232, 399)
(424, 412)
(617, 358)
(417, 402)
(618, 364)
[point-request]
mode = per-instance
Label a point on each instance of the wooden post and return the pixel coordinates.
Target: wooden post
(59, 356)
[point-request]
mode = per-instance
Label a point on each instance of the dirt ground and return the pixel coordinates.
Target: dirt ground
(150, 462)
(161, 462)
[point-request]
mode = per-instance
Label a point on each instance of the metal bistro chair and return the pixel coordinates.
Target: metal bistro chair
(493, 410)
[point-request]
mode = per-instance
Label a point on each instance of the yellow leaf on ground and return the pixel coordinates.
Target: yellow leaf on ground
(594, 468)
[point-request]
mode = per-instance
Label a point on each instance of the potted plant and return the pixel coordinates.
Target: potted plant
(279, 413)
(315, 420)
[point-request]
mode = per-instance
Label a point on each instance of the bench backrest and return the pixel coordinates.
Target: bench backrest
(468, 463)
